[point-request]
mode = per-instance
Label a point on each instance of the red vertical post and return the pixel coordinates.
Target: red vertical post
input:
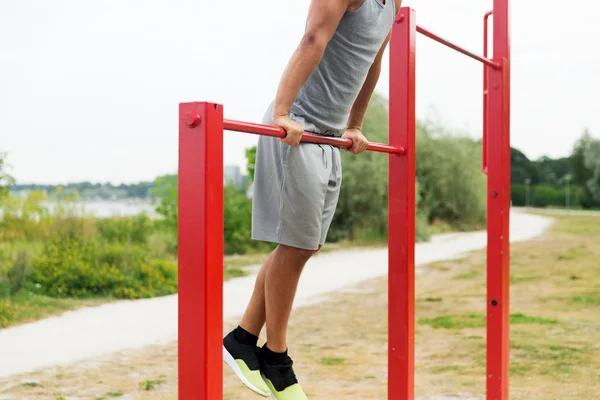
(200, 251)
(498, 200)
(401, 206)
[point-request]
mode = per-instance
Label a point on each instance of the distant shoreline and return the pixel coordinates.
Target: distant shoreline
(112, 208)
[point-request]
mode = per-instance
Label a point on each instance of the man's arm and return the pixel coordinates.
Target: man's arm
(359, 108)
(323, 19)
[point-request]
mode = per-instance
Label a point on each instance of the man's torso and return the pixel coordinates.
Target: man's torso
(328, 95)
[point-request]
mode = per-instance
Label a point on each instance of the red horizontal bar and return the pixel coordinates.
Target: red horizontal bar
(474, 56)
(276, 131)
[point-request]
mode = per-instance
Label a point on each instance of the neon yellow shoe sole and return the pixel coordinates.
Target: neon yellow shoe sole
(252, 379)
(293, 392)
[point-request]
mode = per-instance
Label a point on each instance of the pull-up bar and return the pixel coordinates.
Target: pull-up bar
(453, 46)
(276, 131)
(192, 119)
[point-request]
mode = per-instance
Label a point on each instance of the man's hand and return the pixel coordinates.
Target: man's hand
(294, 130)
(359, 141)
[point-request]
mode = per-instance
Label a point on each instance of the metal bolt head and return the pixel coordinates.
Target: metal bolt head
(192, 119)
(494, 194)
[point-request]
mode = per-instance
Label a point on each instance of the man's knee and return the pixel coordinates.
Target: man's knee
(298, 253)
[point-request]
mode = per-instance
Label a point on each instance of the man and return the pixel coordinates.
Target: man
(325, 89)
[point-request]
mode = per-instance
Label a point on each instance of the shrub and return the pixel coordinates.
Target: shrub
(162, 244)
(422, 230)
(125, 229)
(518, 194)
(546, 195)
(451, 183)
(21, 216)
(18, 273)
(80, 268)
(7, 312)
(361, 212)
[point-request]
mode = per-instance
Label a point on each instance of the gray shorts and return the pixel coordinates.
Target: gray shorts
(296, 189)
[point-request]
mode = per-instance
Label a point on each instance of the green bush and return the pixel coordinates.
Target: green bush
(17, 274)
(422, 229)
(451, 186)
(518, 194)
(451, 183)
(71, 254)
(134, 229)
(238, 223)
(162, 244)
(15, 258)
(361, 213)
(7, 312)
(22, 217)
(546, 195)
(80, 268)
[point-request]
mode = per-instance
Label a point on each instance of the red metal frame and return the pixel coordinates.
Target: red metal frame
(201, 127)
(200, 251)
(401, 209)
(453, 46)
(485, 92)
(498, 206)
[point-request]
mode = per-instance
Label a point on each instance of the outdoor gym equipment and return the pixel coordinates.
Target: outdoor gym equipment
(201, 127)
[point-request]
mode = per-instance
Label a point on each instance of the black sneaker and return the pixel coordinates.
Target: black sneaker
(243, 360)
(281, 380)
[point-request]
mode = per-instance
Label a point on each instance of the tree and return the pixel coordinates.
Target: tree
(552, 171)
(450, 179)
(165, 190)
(251, 160)
(591, 158)
(6, 180)
(581, 174)
(362, 205)
(522, 168)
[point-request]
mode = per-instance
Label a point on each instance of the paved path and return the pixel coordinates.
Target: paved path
(557, 211)
(97, 331)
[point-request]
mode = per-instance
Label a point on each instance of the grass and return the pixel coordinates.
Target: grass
(150, 384)
(592, 299)
(332, 361)
(467, 275)
(27, 306)
(339, 347)
(518, 319)
(478, 321)
(455, 321)
(30, 384)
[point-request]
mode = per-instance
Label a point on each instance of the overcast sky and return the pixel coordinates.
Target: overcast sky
(90, 90)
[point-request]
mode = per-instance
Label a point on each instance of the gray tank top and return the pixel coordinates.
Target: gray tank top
(329, 93)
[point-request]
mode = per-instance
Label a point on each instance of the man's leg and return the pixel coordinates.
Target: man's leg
(255, 315)
(239, 346)
(281, 281)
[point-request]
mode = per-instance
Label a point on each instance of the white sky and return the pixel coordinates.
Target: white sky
(89, 90)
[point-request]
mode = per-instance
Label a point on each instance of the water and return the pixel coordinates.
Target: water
(105, 208)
